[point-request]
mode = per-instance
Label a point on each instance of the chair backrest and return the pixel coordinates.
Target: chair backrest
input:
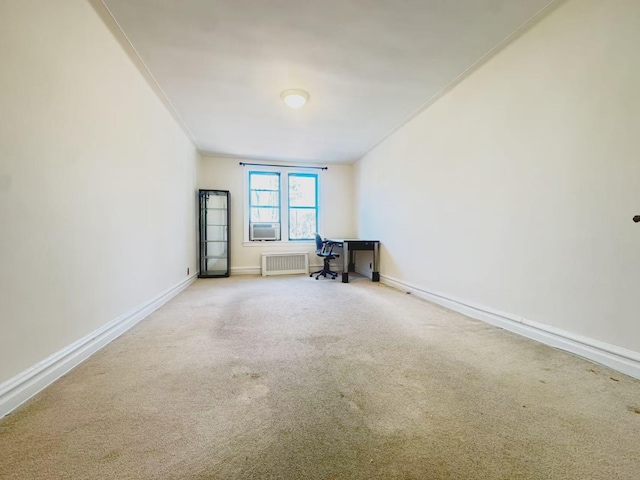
(319, 244)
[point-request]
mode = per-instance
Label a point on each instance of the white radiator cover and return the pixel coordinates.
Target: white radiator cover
(285, 263)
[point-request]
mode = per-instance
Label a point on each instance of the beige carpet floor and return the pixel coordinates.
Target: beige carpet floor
(293, 378)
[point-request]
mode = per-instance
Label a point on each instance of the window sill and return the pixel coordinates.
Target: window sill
(280, 244)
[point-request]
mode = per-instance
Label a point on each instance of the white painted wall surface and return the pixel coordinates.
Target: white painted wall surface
(336, 209)
(516, 189)
(97, 182)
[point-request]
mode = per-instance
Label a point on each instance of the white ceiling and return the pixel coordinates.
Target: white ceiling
(368, 65)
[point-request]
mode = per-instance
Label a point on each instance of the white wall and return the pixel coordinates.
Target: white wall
(336, 209)
(97, 182)
(516, 189)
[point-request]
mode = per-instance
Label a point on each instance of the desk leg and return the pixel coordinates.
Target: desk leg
(352, 261)
(345, 262)
(375, 275)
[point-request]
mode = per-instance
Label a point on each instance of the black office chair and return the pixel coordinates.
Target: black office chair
(324, 249)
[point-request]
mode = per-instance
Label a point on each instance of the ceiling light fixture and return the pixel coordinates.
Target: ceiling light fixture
(294, 98)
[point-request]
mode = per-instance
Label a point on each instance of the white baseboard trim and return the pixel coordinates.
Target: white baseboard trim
(258, 270)
(246, 270)
(617, 358)
(17, 390)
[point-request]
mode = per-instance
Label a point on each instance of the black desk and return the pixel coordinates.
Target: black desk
(349, 248)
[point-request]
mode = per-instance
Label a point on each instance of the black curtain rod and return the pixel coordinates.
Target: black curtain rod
(285, 166)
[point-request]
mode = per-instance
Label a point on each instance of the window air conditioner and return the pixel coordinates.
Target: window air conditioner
(264, 231)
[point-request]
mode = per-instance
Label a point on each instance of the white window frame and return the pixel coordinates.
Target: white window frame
(284, 172)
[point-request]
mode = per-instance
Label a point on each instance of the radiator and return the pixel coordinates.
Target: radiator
(285, 263)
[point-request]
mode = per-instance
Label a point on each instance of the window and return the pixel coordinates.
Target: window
(264, 197)
(282, 205)
(303, 206)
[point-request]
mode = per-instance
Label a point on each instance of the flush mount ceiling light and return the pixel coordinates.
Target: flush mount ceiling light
(294, 98)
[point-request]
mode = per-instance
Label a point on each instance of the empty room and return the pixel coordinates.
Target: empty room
(361, 239)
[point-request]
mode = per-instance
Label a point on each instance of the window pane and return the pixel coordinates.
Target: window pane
(265, 215)
(264, 181)
(264, 199)
(302, 223)
(302, 190)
